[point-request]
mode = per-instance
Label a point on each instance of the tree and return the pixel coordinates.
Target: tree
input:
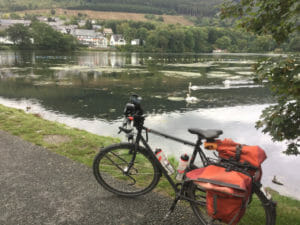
(130, 34)
(3, 33)
(294, 44)
(189, 41)
(142, 33)
(280, 19)
(263, 44)
(176, 41)
(52, 12)
(45, 37)
(73, 21)
(15, 16)
(223, 42)
(200, 39)
(88, 25)
(20, 35)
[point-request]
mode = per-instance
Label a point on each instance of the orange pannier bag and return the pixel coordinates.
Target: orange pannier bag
(227, 193)
(228, 149)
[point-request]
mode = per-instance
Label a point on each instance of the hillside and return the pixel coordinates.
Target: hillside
(168, 19)
(185, 7)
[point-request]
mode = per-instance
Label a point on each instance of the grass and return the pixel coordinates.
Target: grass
(288, 209)
(73, 143)
(82, 146)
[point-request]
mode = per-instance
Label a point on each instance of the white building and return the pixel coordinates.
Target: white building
(135, 42)
(6, 40)
(107, 31)
(96, 27)
(66, 29)
(117, 40)
(81, 23)
(100, 42)
(4, 24)
(90, 38)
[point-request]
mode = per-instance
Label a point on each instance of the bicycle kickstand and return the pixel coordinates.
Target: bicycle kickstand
(177, 198)
(172, 207)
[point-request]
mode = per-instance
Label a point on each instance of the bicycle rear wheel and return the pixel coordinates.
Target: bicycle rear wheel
(111, 170)
(260, 211)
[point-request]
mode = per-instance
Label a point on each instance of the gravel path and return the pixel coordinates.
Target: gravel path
(40, 187)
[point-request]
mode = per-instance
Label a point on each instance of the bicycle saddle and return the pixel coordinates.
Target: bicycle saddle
(206, 134)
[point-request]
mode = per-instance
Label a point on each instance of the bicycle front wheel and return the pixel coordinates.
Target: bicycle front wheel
(260, 211)
(112, 170)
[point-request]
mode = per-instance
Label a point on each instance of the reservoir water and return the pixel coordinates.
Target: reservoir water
(88, 90)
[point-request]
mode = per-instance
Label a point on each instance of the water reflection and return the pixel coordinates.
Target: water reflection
(119, 59)
(93, 84)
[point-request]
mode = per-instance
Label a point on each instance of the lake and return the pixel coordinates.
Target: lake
(88, 90)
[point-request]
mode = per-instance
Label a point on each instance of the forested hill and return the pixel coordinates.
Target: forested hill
(200, 8)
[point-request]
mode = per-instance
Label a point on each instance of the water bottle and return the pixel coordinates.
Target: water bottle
(164, 161)
(183, 163)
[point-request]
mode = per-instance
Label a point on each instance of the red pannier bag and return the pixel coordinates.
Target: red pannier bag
(228, 149)
(227, 192)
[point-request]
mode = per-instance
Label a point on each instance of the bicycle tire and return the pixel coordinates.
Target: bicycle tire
(265, 215)
(109, 170)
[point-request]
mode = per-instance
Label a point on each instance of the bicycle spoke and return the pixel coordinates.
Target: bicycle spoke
(111, 170)
(115, 164)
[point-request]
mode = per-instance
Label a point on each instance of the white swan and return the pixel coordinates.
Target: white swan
(226, 83)
(192, 87)
(191, 99)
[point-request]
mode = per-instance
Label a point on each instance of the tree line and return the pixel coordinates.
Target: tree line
(158, 37)
(186, 7)
(154, 37)
(40, 36)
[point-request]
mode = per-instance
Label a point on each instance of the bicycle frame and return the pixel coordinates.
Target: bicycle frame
(197, 149)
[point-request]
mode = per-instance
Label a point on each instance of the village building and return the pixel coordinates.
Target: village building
(100, 42)
(5, 23)
(117, 40)
(6, 41)
(42, 19)
(56, 23)
(96, 27)
(107, 32)
(90, 38)
(66, 29)
(219, 50)
(81, 23)
(135, 42)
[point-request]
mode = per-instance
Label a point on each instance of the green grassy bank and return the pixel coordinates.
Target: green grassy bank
(73, 143)
(82, 146)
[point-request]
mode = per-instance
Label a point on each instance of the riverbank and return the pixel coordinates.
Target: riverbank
(82, 146)
(73, 143)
